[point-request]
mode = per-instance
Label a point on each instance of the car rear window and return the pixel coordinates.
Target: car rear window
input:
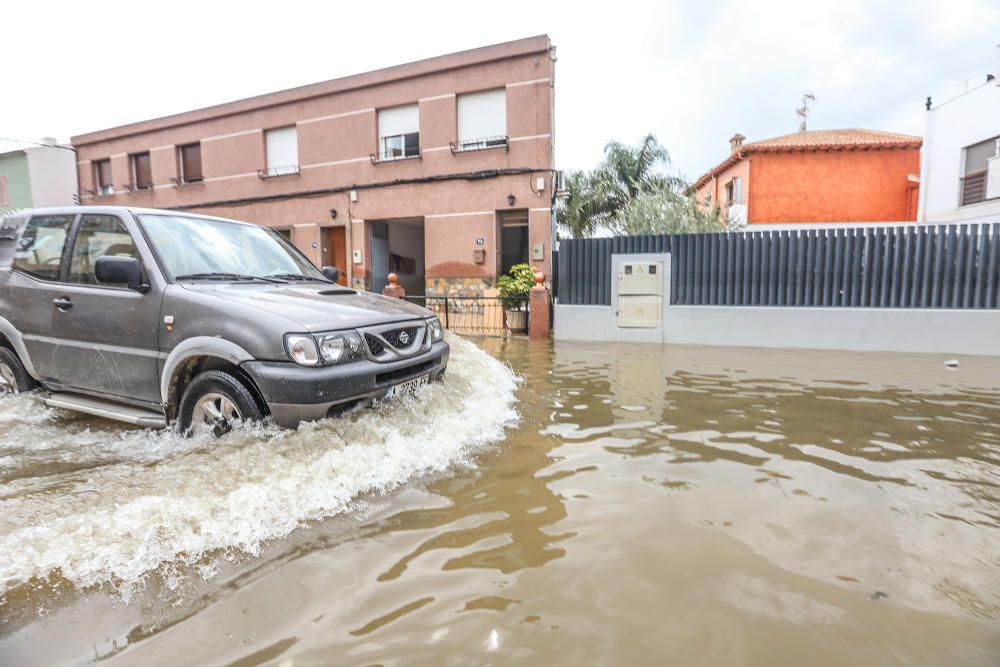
(39, 252)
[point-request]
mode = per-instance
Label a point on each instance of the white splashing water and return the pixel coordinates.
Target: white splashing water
(96, 503)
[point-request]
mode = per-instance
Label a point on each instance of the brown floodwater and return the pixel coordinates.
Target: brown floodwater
(592, 504)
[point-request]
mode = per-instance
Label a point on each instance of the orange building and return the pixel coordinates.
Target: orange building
(817, 176)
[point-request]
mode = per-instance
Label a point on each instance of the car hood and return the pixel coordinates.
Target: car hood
(314, 306)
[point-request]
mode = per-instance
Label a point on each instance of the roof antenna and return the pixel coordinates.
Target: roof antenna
(803, 111)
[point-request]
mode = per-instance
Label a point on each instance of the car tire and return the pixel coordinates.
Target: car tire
(14, 379)
(216, 401)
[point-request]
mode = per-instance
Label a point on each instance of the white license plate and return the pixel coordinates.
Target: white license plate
(408, 387)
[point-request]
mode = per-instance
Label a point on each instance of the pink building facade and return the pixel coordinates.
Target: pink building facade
(439, 170)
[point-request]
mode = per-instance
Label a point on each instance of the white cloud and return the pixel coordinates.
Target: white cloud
(693, 72)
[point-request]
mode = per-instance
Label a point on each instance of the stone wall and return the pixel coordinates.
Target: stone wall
(438, 287)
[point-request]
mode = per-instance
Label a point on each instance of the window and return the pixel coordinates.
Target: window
(103, 186)
(734, 192)
(188, 246)
(399, 133)
(977, 158)
(189, 162)
(282, 152)
(40, 250)
(482, 120)
(142, 172)
(98, 236)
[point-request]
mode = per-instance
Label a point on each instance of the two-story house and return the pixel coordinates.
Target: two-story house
(960, 173)
(439, 170)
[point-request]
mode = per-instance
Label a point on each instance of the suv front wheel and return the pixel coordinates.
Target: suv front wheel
(215, 402)
(14, 379)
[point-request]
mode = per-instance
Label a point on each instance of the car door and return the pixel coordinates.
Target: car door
(108, 333)
(34, 284)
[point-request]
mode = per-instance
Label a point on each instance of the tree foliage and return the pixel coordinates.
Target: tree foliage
(515, 286)
(629, 192)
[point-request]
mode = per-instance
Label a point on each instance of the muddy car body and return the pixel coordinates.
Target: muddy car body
(154, 317)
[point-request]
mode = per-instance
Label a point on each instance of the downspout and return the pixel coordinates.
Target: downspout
(349, 240)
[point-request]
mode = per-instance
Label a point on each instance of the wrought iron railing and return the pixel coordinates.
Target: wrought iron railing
(478, 315)
(272, 172)
(480, 144)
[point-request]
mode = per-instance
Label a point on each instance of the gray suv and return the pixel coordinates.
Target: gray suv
(157, 317)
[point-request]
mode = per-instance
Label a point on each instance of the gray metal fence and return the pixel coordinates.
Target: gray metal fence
(918, 266)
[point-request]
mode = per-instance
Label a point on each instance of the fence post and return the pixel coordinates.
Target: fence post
(394, 289)
(539, 324)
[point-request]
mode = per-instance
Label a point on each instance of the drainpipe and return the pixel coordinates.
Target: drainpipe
(349, 240)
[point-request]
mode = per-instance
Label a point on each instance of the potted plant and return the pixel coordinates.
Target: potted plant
(514, 289)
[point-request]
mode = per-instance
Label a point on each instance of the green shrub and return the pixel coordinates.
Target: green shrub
(516, 286)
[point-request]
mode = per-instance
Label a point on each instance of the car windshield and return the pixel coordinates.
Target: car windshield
(204, 248)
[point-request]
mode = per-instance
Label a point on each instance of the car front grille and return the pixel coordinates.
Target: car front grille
(390, 343)
(401, 338)
(374, 344)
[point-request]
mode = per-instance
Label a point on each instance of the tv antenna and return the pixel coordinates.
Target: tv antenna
(803, 111)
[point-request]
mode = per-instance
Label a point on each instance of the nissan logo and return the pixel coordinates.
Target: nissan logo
(404, 337)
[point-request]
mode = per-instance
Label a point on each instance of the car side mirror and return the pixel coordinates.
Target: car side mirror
(331, 273)
(120, 271)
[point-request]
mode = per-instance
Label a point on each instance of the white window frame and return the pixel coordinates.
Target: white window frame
(475, 139)
(283, 162)
(398, 132)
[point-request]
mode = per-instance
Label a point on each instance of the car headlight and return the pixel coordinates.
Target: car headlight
(302, 350)
(338, 348)
(434, 330)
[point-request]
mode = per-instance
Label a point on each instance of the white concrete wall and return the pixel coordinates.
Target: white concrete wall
(946, 331)
(53, 176)
(951, 126)
(970, 332)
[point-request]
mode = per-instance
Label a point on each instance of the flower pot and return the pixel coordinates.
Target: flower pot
(517, 320)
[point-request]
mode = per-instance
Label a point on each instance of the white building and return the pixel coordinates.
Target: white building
(960, 159)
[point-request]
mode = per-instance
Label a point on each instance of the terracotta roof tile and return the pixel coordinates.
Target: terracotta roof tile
(812, 140)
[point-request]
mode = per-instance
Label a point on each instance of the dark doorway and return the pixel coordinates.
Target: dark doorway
(513, 238)
(398, 247)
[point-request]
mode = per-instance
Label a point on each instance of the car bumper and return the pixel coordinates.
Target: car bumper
(295, 394)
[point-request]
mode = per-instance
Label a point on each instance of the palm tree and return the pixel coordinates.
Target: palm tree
(597, 199)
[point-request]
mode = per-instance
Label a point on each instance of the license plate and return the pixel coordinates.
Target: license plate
(408, 387)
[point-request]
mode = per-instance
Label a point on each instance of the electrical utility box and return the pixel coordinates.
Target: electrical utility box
(640, 295)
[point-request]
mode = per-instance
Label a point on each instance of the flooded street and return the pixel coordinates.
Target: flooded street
(590, 504)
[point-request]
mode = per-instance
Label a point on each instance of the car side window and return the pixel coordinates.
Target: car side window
(98, 236)
(40, 249)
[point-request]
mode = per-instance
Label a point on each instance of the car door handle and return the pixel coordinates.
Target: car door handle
(63, 303)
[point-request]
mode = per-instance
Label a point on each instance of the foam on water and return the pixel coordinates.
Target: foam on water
(95, 503)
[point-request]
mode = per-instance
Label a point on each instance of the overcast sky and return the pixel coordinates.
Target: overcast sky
(692, 71)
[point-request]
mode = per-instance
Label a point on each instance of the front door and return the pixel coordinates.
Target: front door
(335, 251)
(109, 333)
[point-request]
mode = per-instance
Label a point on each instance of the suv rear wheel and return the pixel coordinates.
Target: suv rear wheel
(215, 402)
(14, 379)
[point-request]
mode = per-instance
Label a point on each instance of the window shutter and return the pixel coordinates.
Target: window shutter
(191, 162)
(398, 120)
(282, 147)
(482, 115)
(102, 169)
(143, 170)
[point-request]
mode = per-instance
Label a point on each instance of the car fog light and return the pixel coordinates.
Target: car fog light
(302, 350)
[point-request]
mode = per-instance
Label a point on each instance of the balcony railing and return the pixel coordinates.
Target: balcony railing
(480, 144)
(974, 188)
(272, 172)
(379, 158)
